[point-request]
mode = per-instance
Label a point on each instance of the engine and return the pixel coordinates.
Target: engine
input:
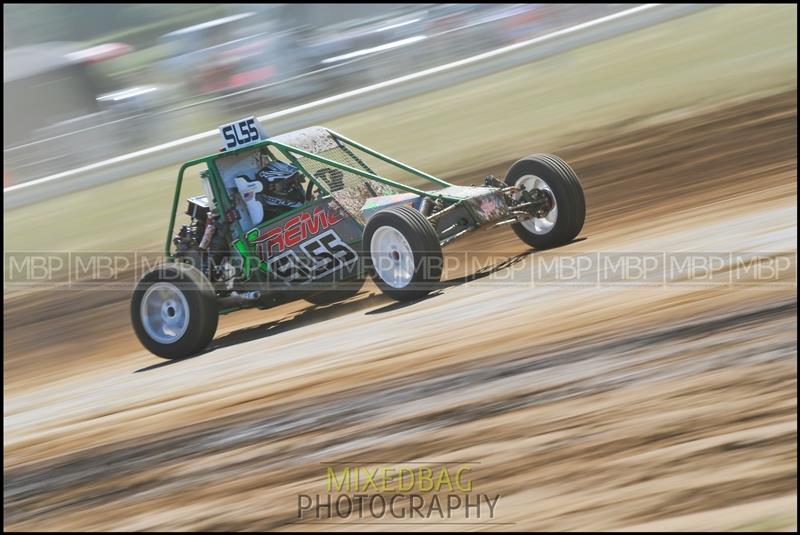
(203, 242)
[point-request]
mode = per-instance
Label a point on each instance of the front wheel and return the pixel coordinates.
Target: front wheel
(563, 216)
(174, 311)
(403, 253)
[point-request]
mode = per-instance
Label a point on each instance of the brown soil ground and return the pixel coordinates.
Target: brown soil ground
(587, 407)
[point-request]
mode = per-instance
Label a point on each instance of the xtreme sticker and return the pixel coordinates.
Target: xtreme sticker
(296, 229)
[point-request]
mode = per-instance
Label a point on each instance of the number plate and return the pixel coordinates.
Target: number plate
(242, 133)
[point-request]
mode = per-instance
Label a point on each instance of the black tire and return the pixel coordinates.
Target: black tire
(201, 307)
(424, 247)
(568, 193)
(327, 297)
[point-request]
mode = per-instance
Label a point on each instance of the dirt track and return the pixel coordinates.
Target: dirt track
(586, 407)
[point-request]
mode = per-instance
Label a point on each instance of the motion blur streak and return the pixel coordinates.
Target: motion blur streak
(335, 98)
(611, 408)
(665, 405)
(365, 51)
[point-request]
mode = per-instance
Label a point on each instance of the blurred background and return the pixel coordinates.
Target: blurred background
(84, 82)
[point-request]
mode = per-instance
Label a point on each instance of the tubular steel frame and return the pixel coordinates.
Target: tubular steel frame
(224, 203)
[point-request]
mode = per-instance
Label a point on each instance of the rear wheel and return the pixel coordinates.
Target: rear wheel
(174, 311)
(403, 253)
(562, 219)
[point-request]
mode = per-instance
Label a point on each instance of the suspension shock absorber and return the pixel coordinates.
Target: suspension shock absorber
(208, 234)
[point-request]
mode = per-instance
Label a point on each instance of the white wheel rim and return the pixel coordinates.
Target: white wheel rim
(538, 225)
(392, 257)
(164, 312)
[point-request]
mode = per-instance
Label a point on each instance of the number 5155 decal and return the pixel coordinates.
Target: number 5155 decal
(324, 254)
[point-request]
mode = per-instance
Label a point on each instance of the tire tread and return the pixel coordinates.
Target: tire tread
(565, 184)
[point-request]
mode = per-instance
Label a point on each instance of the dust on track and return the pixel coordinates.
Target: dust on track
(626, 176)
(604, 409)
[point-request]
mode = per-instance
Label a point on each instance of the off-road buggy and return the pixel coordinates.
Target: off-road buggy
(354, 222)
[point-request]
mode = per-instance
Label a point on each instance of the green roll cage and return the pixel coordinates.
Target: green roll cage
(224, 203)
